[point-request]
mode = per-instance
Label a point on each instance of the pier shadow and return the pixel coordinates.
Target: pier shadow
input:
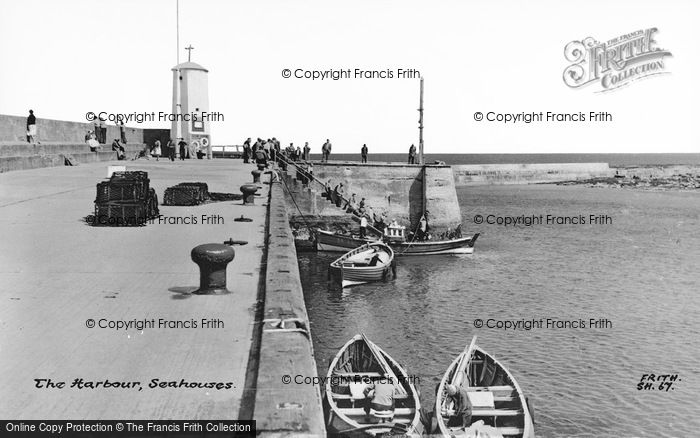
(182, 292)
(221, 197)
(416, 194)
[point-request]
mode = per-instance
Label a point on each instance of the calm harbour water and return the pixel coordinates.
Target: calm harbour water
(454, 159)
(642, 273)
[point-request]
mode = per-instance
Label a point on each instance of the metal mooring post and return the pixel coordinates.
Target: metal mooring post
(212, 259)
(248, 191)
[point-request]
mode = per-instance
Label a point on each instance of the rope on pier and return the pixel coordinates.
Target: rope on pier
(279, 325)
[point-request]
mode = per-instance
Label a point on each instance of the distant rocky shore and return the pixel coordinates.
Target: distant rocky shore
(659, 178)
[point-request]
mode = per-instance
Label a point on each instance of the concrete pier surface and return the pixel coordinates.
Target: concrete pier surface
(57, 273)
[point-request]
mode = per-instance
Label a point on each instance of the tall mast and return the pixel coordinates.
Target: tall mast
(178, 103)
(420, 126)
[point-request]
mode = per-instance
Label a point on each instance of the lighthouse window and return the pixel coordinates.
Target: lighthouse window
(197, 125)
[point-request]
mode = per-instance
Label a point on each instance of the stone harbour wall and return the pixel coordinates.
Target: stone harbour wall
(487, 174)
(397, 190)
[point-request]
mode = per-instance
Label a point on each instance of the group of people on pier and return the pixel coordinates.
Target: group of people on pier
(272, 146)
(168, 151)
(263, 152)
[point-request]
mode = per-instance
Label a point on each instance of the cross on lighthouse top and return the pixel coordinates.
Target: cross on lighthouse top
(189, 52)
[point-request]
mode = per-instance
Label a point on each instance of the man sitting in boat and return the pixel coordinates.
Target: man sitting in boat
(379, 398)
(462, 416)
(375, 259)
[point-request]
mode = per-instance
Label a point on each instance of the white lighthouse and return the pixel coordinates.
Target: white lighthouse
(191, 108)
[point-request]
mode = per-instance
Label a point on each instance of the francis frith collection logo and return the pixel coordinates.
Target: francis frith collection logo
(616, 62)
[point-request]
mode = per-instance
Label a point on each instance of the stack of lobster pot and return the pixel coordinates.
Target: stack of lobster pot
(187, 193)
(125, 200)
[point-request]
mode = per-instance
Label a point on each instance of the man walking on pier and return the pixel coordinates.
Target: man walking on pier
(31, 127)
(363, 152)
(307, 151)
(412, 155)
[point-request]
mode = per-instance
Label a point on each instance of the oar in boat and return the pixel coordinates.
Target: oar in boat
(457, 376)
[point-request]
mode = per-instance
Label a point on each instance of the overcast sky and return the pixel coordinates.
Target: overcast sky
(65, 58)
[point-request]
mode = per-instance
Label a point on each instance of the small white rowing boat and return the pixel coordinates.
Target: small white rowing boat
(369, 262)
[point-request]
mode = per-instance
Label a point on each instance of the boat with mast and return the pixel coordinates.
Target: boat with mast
(499, 408)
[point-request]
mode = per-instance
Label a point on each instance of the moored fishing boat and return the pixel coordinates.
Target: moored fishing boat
(359, 364)
(335, 242)
(369, 262)
(499, 407)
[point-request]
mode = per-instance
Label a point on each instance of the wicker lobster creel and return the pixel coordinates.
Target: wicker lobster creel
(107, 191)
(125, 200)
(188, 193)
(203, 188)
(181, 196)
(121, 214)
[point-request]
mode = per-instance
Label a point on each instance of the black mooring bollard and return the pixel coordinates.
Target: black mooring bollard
(248, 191)
(256, 175)
(212, 259)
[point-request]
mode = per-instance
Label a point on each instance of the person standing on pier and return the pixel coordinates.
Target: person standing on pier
(307, 151)
(31, 127)
(363, 152)
(156, 149)
(267, 145)
(170, 146)
(103, 130)
(261, 157)
(350, 204)
(412, 155)
(326, 150)
(273, 150)
(246, 150)
(96, 129)
(183, 148)
(122, 131)
(363, 226)
(338, 192)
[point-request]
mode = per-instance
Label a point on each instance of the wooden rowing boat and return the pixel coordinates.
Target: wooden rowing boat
(359, 363)
(369, 262)
(334, 242)
(499, 407)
